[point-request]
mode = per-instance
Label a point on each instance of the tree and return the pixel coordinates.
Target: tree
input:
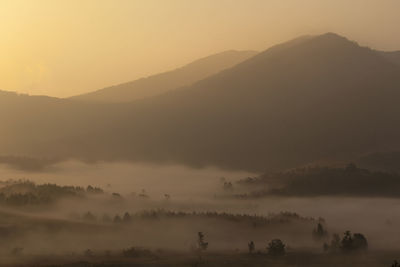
(94, 190)
(276, 247)
(355, 242)
(252, 247)
(202, 245)
(347, 241)
(319, 232)
(359, 242)
(89, 216)
(116, 195)
(335, 243)
(88, 253)
(144, 194)
(127, 217)
(351, 167)
(136, 252)
(228, 186)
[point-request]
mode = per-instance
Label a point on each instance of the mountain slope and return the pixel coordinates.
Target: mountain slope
(160, 83)
(321, 97)
(393, 56)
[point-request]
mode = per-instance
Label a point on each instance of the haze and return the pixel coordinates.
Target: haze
(65, 48)
(199, 133)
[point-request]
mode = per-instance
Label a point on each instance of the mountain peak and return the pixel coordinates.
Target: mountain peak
(334, 38)
(332, 35)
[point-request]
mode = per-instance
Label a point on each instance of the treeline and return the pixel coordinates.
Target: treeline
(21, 193)
(254, 220)
(317, 181)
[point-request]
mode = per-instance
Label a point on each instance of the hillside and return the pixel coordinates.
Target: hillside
(309, 99)
(323, 97)
(350, 181)
(393, 56)
(161, 83)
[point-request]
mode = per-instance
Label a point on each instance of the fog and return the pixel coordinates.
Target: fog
(125, 178)
(199, 133)
(199, 190)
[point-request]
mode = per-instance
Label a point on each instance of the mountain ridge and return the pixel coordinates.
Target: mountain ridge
(322, 97)
(160, 83)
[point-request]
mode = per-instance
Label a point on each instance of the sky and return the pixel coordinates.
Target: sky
(68, 47)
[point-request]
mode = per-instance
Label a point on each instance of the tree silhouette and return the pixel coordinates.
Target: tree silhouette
(319, 232)
(88, 253)
(347, 241)
(351, 167)
(202, 245)
(252, 247)
(127, 217)
(359, 242)
(89, 216)
(335, 243)
(276, 247)
(136, 252)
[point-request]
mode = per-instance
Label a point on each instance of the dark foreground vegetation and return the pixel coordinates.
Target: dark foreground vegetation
(212, 259)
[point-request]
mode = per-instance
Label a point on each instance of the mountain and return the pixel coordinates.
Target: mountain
(36, 126)
(160, 83)
(320, 97)
(393, 56)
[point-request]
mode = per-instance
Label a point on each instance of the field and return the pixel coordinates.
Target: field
(217, 259)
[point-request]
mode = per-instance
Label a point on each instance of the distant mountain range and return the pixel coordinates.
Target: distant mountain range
(161, 83)
(312, 98)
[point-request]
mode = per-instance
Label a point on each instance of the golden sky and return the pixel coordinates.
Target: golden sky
(66, 47)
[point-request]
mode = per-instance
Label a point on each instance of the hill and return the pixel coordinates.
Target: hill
(350, 181)
(321, 97)
(161, 83)
(393, 56)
